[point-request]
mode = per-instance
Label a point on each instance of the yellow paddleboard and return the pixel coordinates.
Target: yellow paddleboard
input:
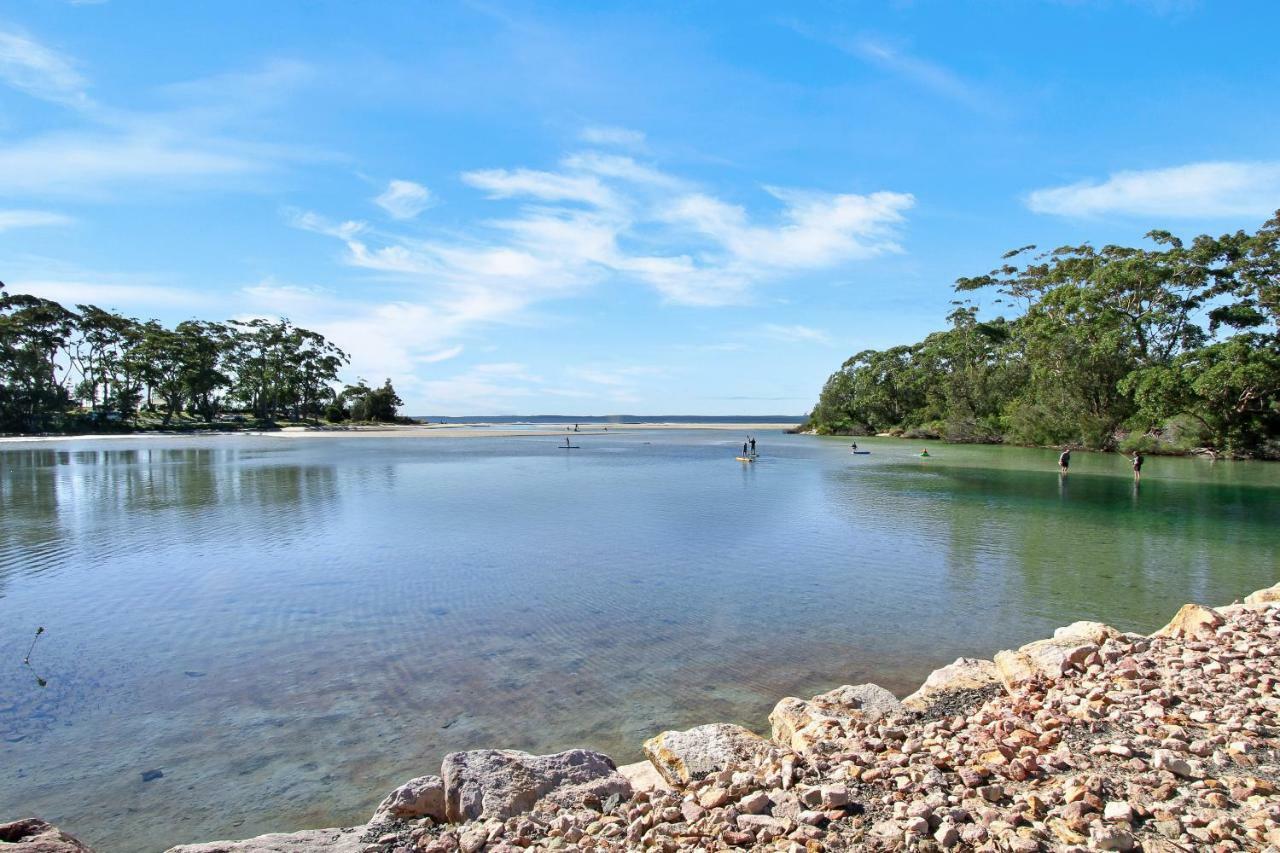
(746, 459)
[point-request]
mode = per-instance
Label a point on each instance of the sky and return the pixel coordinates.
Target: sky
(603, 208)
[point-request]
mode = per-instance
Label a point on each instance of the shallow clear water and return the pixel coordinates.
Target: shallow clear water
(287, 628)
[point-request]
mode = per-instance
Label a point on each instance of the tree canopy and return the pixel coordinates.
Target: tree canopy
(65, 369)
(1164, 348)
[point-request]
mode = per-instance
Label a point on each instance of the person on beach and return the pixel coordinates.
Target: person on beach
(1064, 461)
(1137, 466)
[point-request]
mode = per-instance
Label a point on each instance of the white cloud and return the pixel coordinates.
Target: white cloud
(31, 219)
(592, 220)
(619, 136)
(795, 333)
(404, 199)
(545, 186)
(31, 67)
(441, 355)
(1195, 189)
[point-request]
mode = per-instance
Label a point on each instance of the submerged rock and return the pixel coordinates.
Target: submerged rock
(687, 756)
(501, 783)
(345, 840)
(962, 676)
(420, 797)
(33, 835)
(801, 724)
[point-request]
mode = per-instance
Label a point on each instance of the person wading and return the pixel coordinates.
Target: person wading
(1064, 461)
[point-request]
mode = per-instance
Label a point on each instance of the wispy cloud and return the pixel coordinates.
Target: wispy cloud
(404, 199)
(31, 219)
(40, 71)
(795, 334)
(895, 59)
(619, 136)
(196, 142)
(1214, 189)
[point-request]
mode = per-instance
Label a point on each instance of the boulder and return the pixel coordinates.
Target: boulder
(1264, 596)
(643, 776)
(684, 757)
(33, 835)
(1193, 620)
(346, 840)
(501, 783)
(801, 724)
(965, 674)
(1054, 657)
(420, 797)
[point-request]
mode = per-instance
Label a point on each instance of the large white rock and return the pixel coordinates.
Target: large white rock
(1193, 620)
(643, 776)
(501, 783)
(802, 724)
(684, 757)
(1054, 657)
(420, 797)
(1264, 596)
(345, 840)
(963, 675)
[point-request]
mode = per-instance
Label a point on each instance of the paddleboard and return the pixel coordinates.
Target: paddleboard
(860, 452)
(746, 459)
(569, 446)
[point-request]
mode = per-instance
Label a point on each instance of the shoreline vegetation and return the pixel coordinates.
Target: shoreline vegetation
(1168, 350)
(1090, 739)
(96, 371)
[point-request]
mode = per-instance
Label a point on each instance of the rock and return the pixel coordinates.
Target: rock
(1164, 759)
(754, 803)
(687, 756)
(309, 841)
(963, 675)
(800, 724)
(643, 776)
(1264, 596)
(1192, 620)
(420, 797)
(1050, 658)
(1089, 632)
(34, 835)
(501, 783)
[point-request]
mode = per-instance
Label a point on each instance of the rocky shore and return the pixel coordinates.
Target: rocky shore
(1092, 739)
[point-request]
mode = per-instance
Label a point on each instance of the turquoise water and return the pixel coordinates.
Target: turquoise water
(287, 628)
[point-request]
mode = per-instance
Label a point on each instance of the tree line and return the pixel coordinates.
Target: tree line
(1168, 348)
(64, 370)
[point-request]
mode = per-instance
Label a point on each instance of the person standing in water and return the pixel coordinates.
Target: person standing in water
(1137, 466)
(854, 446)
(1064, 460)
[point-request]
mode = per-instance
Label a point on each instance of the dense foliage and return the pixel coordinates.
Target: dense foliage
(1165, 348)
(63, 370)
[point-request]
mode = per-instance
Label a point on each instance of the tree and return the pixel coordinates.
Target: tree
(34, 334)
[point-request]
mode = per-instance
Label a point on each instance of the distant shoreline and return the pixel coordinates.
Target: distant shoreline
(477, 429)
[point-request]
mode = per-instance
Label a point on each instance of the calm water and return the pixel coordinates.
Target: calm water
(287, 628)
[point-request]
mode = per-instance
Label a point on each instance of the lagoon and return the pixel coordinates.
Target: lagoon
(286, 628)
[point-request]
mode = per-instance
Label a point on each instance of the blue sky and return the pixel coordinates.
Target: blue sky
(610, 207)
